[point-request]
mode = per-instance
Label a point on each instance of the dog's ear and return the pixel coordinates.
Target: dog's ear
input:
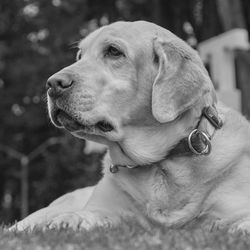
(181, 80)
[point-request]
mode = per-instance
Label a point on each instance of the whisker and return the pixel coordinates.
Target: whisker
(74, 45)
(44, 97)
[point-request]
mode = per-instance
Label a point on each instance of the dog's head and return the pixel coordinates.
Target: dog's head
(130, 88)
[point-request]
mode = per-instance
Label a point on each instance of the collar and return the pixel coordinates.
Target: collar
(198, 142)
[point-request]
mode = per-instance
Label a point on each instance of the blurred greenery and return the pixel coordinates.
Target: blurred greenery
(37, 38)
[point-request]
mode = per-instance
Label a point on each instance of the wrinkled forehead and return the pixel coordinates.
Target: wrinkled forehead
(133, 34)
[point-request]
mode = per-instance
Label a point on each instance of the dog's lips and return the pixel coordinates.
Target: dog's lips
(68, 122)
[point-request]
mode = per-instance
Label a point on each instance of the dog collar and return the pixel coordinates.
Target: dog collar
(198, 141)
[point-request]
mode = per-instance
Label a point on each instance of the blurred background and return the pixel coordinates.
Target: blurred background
(38, 162)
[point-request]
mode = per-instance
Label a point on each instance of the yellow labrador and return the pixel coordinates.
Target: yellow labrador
(174, 153)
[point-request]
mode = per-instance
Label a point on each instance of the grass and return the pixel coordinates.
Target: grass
(129, 237)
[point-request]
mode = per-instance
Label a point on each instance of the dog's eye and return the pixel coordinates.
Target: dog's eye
(112, 51)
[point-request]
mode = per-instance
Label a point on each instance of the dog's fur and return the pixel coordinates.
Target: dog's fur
(153, 95)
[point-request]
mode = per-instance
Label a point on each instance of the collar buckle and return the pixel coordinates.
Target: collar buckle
(200, 136)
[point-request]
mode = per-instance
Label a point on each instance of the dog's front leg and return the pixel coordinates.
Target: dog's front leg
(107, 206)
(179, 216)
(176, 218)
(83, 219)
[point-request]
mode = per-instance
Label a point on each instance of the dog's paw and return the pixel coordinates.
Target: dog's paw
(26, 226)
(242, 227)
(71, 220)
(19, 227)
(66, 220)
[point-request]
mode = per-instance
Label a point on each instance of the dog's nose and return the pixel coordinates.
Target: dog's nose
(58, 83)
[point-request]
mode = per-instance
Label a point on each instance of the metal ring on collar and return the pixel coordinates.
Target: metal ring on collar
(115, 168)
(207, 141)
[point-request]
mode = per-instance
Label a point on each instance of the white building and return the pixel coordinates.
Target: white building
(218, 54)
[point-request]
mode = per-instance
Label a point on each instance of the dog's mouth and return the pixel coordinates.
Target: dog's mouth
(62, 119)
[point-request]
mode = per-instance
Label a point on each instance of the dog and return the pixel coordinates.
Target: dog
(175, 154)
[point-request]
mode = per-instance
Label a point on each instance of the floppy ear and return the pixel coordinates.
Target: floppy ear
(181, 80)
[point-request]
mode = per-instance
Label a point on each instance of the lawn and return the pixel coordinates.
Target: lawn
(127, 237)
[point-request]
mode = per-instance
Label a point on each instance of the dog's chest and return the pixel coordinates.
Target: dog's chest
(155, 186)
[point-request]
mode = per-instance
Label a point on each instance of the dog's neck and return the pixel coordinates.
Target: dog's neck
(197, 143)
(199, 140)
(171, 183)
(144, 145)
